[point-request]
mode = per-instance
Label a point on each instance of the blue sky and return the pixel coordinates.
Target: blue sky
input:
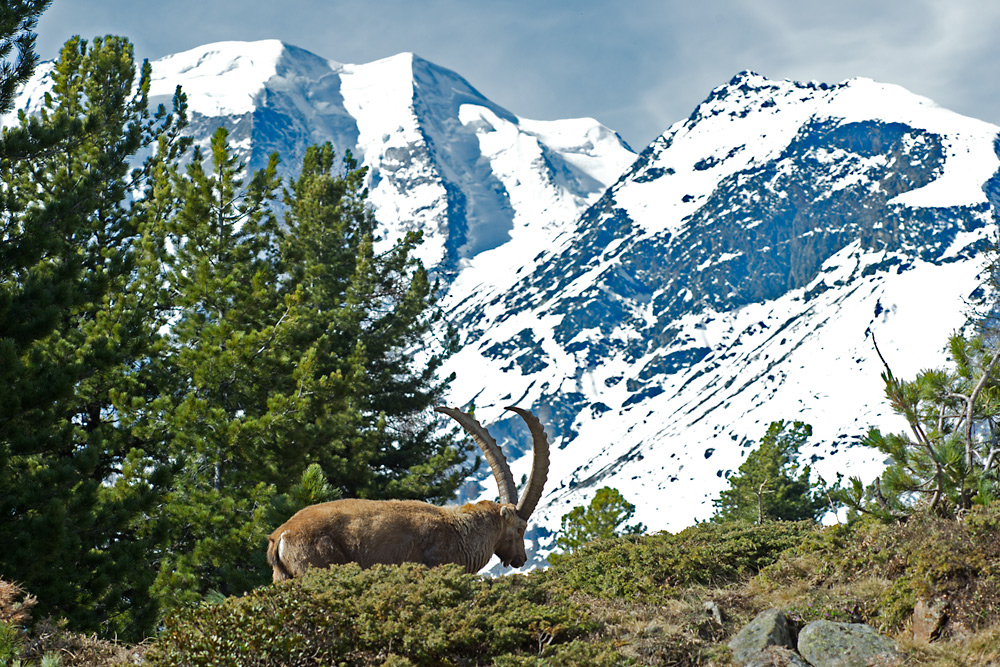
(635, 65)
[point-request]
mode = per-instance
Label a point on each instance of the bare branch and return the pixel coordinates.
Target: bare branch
(914, 422)
(987, 372)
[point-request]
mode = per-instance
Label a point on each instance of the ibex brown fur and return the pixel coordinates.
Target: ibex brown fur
(398, 531)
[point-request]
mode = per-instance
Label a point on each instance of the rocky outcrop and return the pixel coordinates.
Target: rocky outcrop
(769, 628)
(929, 618)
(831, 644)
(769, 641)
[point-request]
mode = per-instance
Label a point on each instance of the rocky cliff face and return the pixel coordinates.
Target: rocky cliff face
(734, 275)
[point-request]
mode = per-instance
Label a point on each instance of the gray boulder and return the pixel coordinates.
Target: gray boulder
(829, 644)
(769, 628)
(776, 656)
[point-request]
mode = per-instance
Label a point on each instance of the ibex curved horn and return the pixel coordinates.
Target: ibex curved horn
(367, 532)
(539, 464)
(496, 459)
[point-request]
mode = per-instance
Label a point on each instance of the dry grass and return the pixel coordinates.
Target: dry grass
(46, 639)
(672, 633)
(981, 649)
(78, 650)
(681, 633)
(15, 604)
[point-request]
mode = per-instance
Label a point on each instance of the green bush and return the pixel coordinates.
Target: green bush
(649, 568)
(628, 600)
(927, 557)
(11, 643)
(400, 615)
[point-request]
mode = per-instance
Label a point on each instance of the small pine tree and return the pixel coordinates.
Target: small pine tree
(770, 484)
(360, 316)
(949, 460)
(602, 519)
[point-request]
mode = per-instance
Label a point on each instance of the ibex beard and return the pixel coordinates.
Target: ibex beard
(367, 532)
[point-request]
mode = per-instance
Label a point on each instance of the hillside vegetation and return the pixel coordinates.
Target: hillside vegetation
(629, 600)
(191, 352)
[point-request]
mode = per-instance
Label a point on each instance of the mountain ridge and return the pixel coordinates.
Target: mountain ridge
(442, 157)
(750, 248)
(657, 310)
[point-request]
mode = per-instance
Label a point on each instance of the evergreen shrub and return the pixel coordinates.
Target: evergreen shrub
(648, 568)
(11, 643)
(928, 557)
(399, 615)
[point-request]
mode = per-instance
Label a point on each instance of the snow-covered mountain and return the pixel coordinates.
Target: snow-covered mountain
(442, 158)
(732, 275)
(657, 312)
(736, 275)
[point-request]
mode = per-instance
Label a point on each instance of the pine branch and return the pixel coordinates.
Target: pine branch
(971, 404)
(895, 387)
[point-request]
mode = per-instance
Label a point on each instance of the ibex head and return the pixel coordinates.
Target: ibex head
(515, 514)
(367, 532)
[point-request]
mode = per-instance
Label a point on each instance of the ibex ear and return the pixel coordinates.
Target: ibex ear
(507, 513)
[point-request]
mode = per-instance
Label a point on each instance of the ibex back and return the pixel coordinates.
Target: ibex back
(399, 531)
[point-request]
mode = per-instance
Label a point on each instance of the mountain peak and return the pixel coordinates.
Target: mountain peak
(404, 60)
(730, 279)
(443, 158)
(218, 58)
(219, 78)
(747, 77)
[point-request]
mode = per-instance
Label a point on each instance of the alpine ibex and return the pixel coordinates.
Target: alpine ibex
(398, 531)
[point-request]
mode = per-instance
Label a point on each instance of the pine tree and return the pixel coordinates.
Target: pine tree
(294, 358)
(602, 519)
(224, 361)
(950, 459)
(75, 484)
(770, 485)
(361, 318)
(17, 21)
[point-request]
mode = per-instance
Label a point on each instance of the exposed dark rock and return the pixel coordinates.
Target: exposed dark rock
(929, 617)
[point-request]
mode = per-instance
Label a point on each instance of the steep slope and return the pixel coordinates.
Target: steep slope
(735, 276)
(443, 159)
